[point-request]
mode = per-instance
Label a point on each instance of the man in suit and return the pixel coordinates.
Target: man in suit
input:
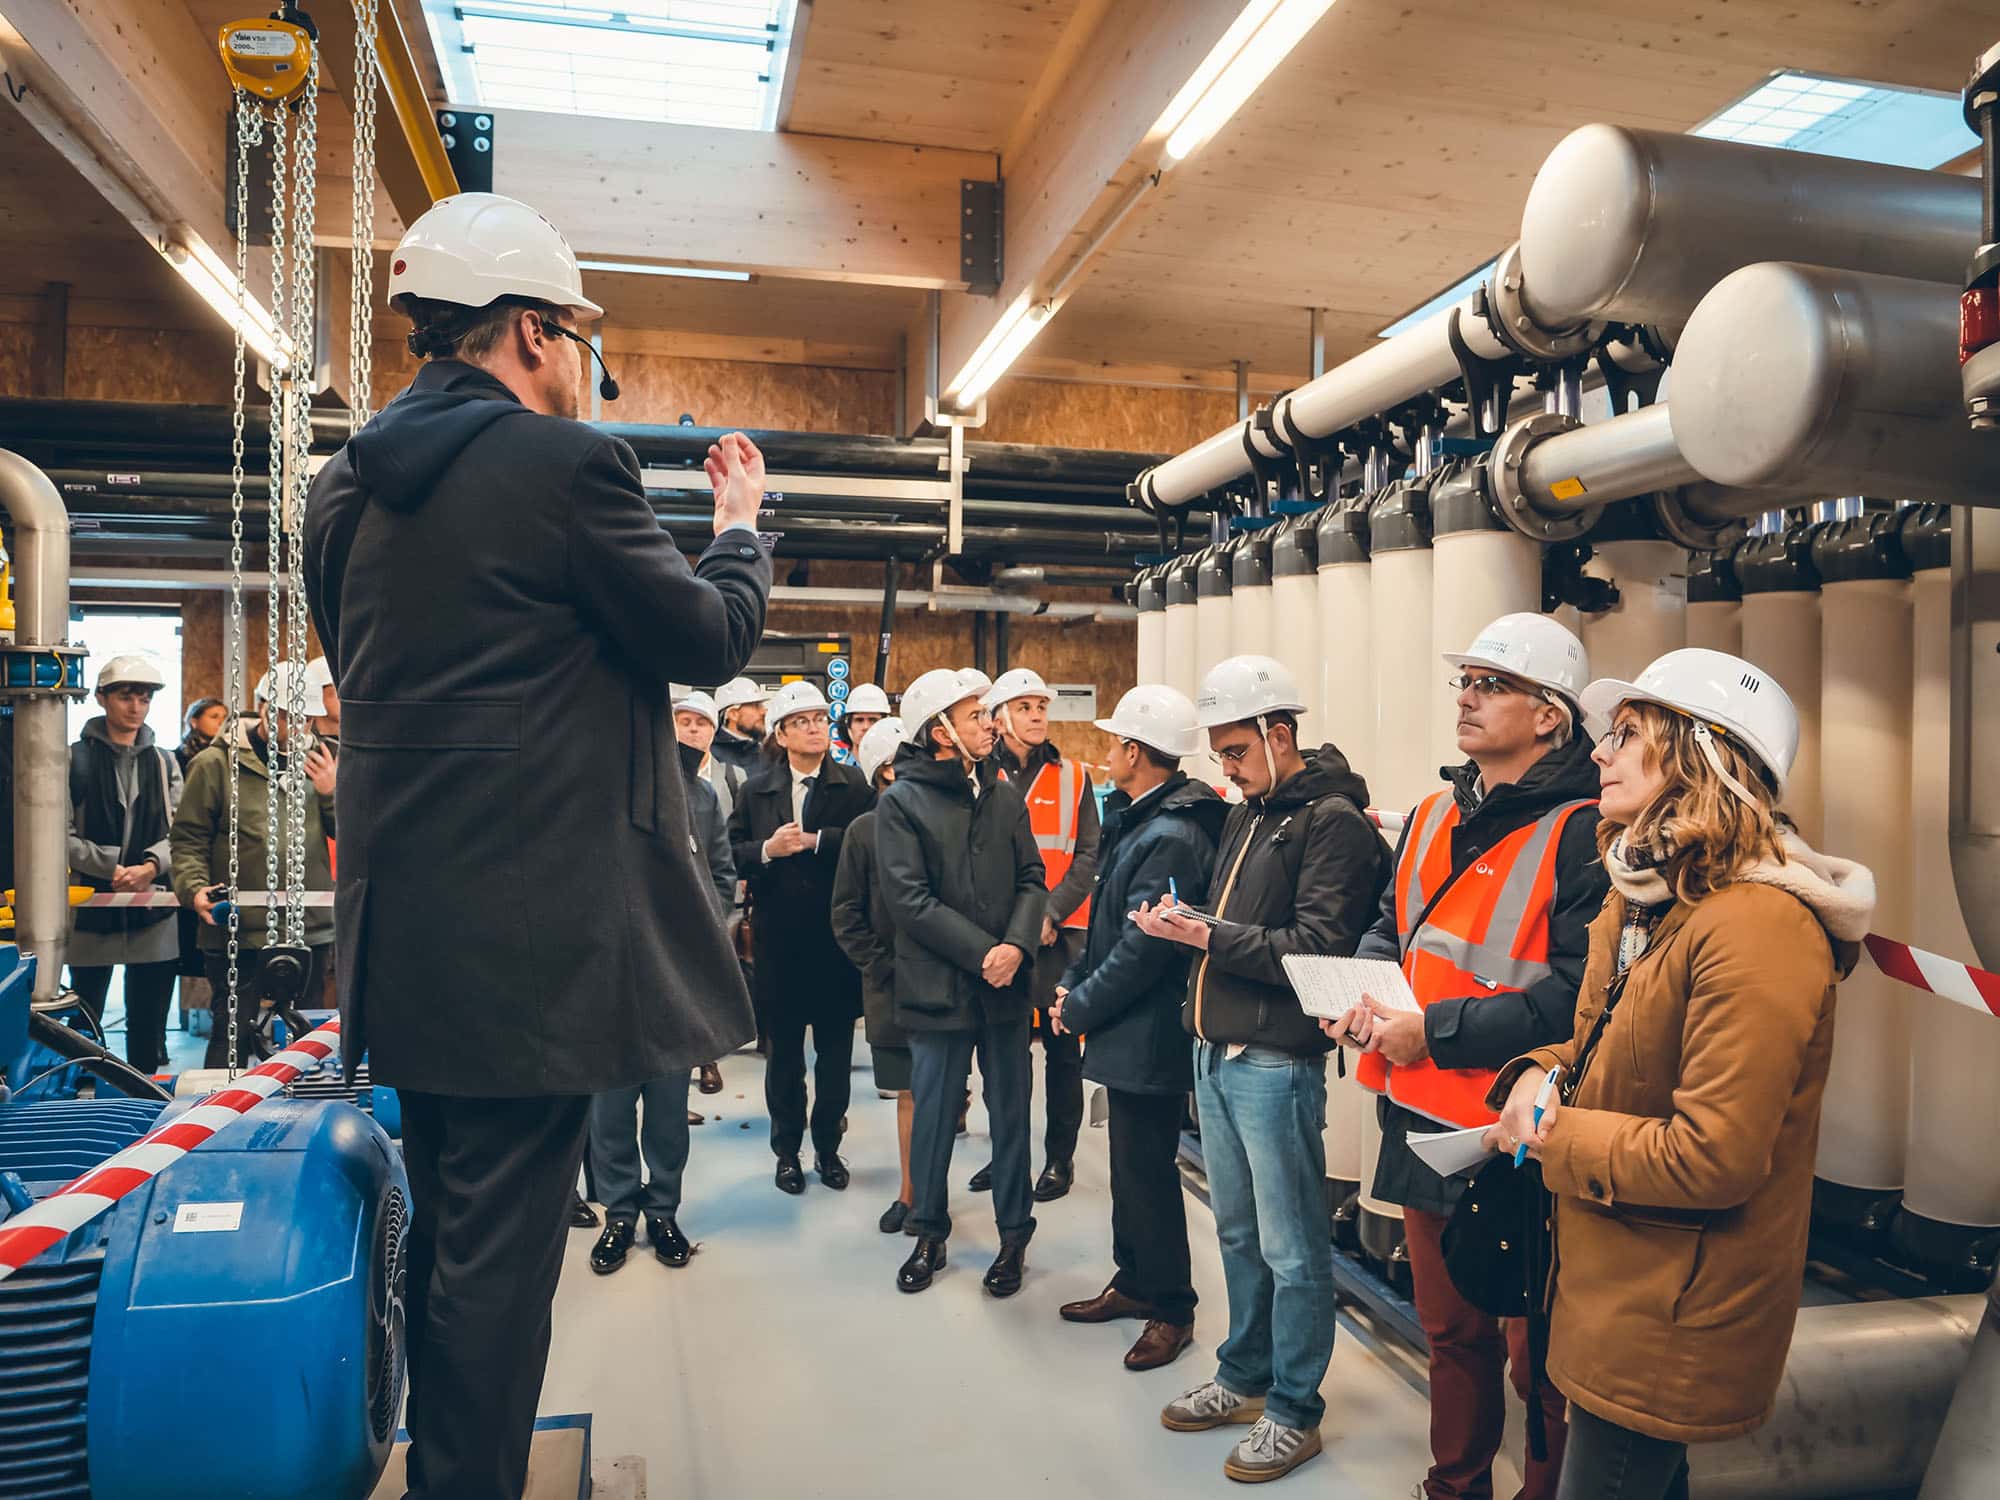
(483, 566)
(786, 834)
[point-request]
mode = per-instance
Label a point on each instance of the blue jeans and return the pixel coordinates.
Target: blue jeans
(616, 1143)
(1607, 1462)
(941, 1062)
(1262, 1114)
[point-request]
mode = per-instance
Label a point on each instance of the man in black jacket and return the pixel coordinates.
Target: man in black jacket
(1300, 871)
(1528, 764)
(739, 741)
(963, 881)
(787, 831)
(1125, 990)
(513, 899)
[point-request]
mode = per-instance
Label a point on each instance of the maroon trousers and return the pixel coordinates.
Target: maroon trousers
(1470, 1358)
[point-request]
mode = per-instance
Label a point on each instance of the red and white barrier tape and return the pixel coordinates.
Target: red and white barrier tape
(69, 1208)
(1388, 822)
(1944, 977)
(168, 898)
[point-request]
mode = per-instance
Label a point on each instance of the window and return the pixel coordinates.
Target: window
(682, 62)
(120, 630)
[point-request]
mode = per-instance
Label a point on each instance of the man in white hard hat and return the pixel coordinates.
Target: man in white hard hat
(1497, 879)
(1125, 989)
(123, 788)
(740, 740)
(1300, 870)
(1062, 809)
(786, 831)
(503, 613)
(696, 723)
(965, 892)
(867, 706)
(323, 701)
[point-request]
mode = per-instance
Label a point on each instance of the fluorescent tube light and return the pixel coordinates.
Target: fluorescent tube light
(205, 271)
(635, 268)
(1000, 348)
(1261, 38)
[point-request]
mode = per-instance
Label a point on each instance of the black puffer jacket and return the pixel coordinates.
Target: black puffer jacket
(960, 875)
(862, 927)
(1489, 1031)
(1301, 871)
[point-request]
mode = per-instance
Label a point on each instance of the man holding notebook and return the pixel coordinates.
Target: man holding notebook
(1497, 879)
(1300, 869)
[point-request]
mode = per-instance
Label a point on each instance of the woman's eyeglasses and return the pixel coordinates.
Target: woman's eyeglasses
(1618, 736)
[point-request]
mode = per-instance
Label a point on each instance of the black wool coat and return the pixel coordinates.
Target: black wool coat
(522, 907)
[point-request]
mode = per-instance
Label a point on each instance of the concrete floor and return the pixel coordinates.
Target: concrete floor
(783, 1361)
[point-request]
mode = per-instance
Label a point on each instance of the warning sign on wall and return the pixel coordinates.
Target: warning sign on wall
(1073, 701)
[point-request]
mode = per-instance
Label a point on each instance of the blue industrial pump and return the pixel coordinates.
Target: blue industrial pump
(233, 1328)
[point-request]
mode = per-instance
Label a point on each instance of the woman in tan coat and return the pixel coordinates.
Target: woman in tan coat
(1680, 1147)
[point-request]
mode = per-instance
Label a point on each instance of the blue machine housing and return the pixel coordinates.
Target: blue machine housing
(234, 1328)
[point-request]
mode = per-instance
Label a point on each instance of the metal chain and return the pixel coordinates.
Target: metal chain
(281, 419)
(361, 325)
(249, 132)
(305, 269)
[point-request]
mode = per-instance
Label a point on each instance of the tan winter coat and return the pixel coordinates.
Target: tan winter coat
(1683, 1169)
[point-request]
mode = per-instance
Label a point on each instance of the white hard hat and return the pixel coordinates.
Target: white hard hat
(868, 699)
(319, 674)
(976, 682)
(473, 248)
(1019, 682)
(1712, 687)
(877, 746)
(140, 671)
(1158, 716)
(1246, 687)
(277, 686)
(696, 702)
(737, 692)
(796, 698)
(938, 691)
(1532, 647)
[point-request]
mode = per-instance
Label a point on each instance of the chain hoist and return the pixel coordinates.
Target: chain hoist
(361, 324)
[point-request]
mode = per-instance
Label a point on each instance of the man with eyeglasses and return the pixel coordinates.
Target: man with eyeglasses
(786, 832)
(1300, 869)
(1497, 879)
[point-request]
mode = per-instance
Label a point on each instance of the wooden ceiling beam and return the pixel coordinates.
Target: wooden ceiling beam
(815, 208)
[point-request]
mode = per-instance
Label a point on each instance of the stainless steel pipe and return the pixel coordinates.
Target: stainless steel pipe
(1630, 455)
(1967, 1456)
(41, 736)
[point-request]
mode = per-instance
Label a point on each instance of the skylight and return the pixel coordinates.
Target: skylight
(681, 62)
(1805, 112)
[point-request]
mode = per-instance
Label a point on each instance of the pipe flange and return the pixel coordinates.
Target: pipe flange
(1501, 477)
(1508, 316)
(1680, 525)
(41, 672)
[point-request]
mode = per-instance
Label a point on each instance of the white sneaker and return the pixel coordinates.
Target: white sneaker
(1270, 1450)
(1210, 1405)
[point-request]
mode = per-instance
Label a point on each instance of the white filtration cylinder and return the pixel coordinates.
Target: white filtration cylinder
(1180, 637)
(1251, 628)
(1152, 646)
(1212, 647)
(1295, 642)
(1865, 764)
(1650, 618)
(1954, 1171)
(1347, 693)
(1716, 625)
(1781, 635)
(1480, 576)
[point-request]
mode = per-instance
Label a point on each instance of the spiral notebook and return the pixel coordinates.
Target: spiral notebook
(1330, 987)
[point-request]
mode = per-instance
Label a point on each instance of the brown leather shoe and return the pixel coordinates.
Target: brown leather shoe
(1161, 1344)
(1107, 1306)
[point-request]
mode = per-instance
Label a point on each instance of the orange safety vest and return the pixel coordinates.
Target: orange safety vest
(1488, 934)
(1055, 801)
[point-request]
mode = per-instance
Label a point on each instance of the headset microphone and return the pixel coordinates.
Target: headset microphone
(607, 387)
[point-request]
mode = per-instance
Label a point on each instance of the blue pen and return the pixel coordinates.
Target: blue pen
(1542, 1097)
(1173, 890)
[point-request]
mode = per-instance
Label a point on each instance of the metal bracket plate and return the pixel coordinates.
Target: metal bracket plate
(468, 141)
(981, 246)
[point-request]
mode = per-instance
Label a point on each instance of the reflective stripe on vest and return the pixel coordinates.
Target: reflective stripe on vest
(1054, 803)
(1487, 934)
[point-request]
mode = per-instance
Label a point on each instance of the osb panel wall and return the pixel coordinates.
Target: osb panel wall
(1131, 419)
(140, 364)
(17, 341)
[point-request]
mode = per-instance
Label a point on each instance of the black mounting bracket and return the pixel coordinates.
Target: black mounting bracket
(1622, 384)
(1489, 383)
(981, 242)
(468, 141)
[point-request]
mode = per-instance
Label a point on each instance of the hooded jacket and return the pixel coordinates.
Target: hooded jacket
(1484, 1031)
(122, 800)
(961, 875)
(477, 573)
(1299, 871)
(1682, 1166)
(1125, 990)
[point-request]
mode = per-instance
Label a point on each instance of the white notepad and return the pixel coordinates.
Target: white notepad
(1451, 1152)
(1330, 987)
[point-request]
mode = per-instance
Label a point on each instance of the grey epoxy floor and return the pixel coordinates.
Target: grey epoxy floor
(784, 1363)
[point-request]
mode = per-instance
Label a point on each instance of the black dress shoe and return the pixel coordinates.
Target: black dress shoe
(982, 1180)
(832, 1171)
(608, 1254)
(1054, 1182)
(791, 1176)
(925, 1262)
(1003, 1277)
(711, 1078)
(581, 1214)
(894, 1217)
(670, 1246)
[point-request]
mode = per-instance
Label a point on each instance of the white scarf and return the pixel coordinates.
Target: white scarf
(1838, 891)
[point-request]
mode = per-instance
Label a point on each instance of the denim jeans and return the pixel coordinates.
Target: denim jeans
(1607, 1462)
(617, 1141)
(1262, 1114)
(941, 1062)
